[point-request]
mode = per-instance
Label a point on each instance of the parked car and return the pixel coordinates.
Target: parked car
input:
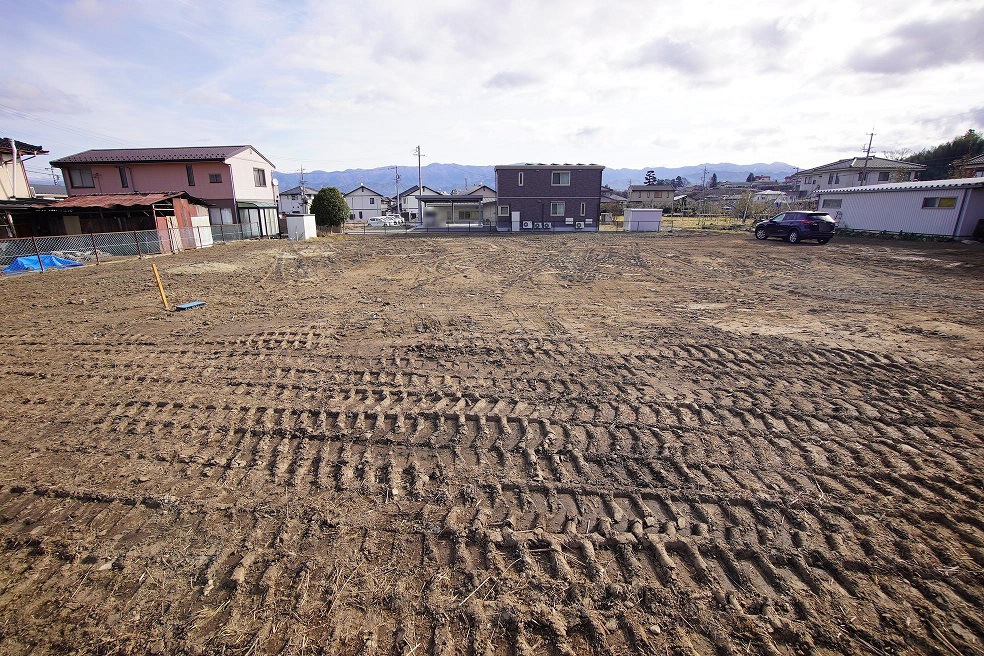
(394, 220)
(794, 227)
(377, 222)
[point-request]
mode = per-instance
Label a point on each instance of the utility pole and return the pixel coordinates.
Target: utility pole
(420, 186)
(396, 169)
(703, 192)
(304, 205)
(867, 156)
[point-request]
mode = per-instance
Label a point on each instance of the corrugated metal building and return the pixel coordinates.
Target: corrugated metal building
(953, 208)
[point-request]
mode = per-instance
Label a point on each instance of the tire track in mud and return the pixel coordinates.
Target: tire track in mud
(476, 497)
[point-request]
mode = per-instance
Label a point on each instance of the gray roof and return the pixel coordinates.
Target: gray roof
(651, 187)
(857, 163)
(541, 165)
(143, 155)
(22, 148)
(362, 186)
(455, 198)
(413, 190)
(297, 190)
(956, 183)
(976, 160)
(474, 188)
(49, 189)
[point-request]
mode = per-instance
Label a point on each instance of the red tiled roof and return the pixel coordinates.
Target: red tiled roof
(107, 201)
(184, 154)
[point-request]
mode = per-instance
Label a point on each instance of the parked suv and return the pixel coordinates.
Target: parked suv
(797, 226)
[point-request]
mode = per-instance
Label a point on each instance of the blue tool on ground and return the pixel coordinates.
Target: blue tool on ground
(188, 306)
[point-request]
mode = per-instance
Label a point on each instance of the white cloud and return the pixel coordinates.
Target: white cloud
(360, 83)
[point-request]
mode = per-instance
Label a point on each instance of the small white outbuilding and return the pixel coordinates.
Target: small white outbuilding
(642, 219)
(952, 208)
(301, 227)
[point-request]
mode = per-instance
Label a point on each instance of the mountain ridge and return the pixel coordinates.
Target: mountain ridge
(448, 177)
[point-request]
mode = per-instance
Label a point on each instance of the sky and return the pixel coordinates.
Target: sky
(344, 84)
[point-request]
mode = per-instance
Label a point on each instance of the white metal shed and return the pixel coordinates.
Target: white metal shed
(953, 208)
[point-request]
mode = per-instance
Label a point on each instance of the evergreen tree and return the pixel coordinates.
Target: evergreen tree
(329, 207)
(651, 178)
(940, 159)
(714, 180)
(750, 178)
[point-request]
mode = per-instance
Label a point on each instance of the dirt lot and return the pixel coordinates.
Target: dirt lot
(580, 444)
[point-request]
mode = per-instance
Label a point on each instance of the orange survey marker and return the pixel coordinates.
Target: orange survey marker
(160, 286)
(167, 306)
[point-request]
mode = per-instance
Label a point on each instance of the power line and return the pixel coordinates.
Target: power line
(81, 132)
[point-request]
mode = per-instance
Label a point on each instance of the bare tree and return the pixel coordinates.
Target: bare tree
(897, 155)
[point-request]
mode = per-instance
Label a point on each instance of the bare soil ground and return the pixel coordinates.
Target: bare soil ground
(567, 444)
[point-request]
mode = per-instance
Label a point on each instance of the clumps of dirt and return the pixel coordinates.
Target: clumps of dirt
(201, 268)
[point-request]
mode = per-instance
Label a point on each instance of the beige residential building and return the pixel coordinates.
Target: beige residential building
(660, 196)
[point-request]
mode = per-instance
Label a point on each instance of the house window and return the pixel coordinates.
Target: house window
(503, 210)
(372, 201)
(556, 209)
(214, 177)
(520, 179)
(584, 208)
(830, 179)
(81, 178)
(190, 172)
(862, 177)
(832, 203)
(883, 176)
(560, 178)
(837, 178)
(259, 177)
(123, 181)
(464, 216)
(936, 202)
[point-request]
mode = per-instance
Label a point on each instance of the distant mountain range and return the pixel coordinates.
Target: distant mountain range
(448, 177)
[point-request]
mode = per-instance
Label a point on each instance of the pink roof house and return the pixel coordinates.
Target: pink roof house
(236, 180)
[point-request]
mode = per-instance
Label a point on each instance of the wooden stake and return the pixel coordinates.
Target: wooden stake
(160, 286)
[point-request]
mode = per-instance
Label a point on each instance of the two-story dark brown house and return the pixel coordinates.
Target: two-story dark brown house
(548, 196)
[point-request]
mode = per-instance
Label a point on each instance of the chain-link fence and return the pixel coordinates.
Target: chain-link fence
(105, 246)
(358, 228)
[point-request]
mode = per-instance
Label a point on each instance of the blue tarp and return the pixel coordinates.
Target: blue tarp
(30, 263)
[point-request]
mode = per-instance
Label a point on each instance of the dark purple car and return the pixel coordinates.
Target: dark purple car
(794, 227)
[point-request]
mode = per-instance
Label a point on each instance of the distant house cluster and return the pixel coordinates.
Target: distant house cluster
(171, 188)
(526, 197)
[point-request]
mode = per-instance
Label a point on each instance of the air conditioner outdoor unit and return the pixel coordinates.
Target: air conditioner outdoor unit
(579, 225)
(527, 224)
(548, 226)
(537, 226)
